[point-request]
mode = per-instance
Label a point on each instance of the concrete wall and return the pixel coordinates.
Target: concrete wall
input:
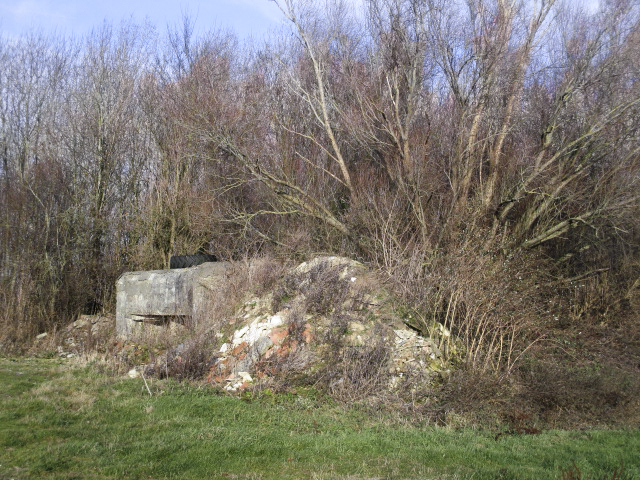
(159, 295)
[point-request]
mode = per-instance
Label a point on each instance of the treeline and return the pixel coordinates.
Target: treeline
(485, 154)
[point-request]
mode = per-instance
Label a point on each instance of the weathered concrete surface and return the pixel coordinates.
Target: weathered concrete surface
(159, 295)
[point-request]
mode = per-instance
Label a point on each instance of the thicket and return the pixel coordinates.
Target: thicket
(485, 154)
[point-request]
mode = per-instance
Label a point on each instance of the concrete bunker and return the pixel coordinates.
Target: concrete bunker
(161, 296)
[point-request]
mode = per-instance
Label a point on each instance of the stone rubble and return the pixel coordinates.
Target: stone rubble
(262, 336)
(260, 339)
(412, 350)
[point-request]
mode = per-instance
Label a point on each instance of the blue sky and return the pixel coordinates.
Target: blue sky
(245, 17)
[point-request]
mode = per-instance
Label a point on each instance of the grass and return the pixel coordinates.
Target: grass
(60, 420)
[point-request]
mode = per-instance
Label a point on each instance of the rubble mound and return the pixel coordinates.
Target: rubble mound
(327, 321)
(87, 333)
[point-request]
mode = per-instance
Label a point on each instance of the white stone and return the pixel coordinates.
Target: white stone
(241, 332)
(246, 377)
(256, 330)
(237, 336)
(404, 334)
(133, 373)
(81, 322)
(42, 335)
(224, 347)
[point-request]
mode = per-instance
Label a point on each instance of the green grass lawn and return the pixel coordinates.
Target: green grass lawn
(63, 421)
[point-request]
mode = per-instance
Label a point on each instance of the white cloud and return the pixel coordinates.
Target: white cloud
(27, 9)
(267, 9)
(25, 14)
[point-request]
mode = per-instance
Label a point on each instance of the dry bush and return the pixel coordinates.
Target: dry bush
(323, 290)
(255, 276)
(191, 360)
(170, 350)
(286, 370)
(353, 373)
(326, 291)
(359, 372)
(579, 394)
(147, 344)
(468, 397)
(265, 272)
(543, 391)
(486, 307)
